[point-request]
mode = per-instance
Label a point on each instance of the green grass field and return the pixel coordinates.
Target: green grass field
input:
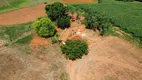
(20, 33)
(9, 5)
(126, 15)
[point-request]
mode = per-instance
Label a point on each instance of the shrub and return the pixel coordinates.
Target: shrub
(56, 10)
(63, 22)
(44, 27)
(106, 28)
(75, 48)
(54, 40)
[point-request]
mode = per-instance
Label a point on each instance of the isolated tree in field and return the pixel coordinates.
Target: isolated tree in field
(56, 10)
(44, 27)
(75, 48)
(63, 22)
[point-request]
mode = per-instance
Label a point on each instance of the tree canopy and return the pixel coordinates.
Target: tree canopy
(56, 10)
(44, 27)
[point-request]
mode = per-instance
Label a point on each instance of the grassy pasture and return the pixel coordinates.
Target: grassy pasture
(126, 15)
(20, 33)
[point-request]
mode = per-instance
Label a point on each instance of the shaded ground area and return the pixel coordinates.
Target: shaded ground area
(22, 15)
(109, 58)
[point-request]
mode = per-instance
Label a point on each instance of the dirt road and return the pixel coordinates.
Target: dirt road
(109, 58)
(22, 15)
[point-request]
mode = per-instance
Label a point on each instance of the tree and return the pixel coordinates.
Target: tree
(75, 48)
(44, 27)
(56, 10)
(96, 21)
(63, 22)
(92, 21)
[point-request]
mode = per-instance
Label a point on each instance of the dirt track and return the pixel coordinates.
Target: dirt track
(22, 15)
(109, 58)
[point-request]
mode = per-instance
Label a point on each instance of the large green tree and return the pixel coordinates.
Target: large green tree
(75, 48)
(56, 10)
(44, 27)
(63, 22)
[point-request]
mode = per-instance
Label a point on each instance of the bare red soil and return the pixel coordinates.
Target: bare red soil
(22, 15)
(78, 0)
(38, 42)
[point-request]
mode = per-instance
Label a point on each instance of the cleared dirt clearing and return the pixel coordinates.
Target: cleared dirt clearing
(109, 58)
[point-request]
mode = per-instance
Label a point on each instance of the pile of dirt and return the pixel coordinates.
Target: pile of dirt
(38, 42)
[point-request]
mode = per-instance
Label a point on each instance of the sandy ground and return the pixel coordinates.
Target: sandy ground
(109, 58)
(23, 15)
(78, 0)
(41, 64)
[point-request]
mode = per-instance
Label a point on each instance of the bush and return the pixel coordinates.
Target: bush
(56, 10)
(44, 27)
(75, 48)
(54, 40)
(63, 22)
